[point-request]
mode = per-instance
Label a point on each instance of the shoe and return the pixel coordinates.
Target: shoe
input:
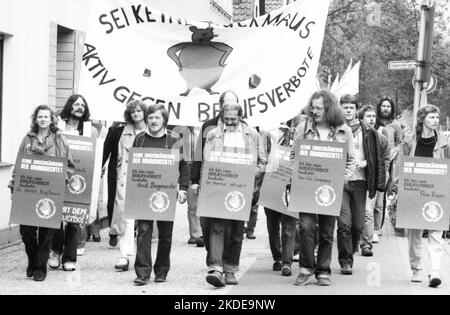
(55, 261)
(113, 240)
(366, 252)
(286, 271)
(39, 276)
(80, 251)
(303, 279)
(347, 270)
(434, 282)
(251, 236)
(323, 281)
(296, 258)
(230, 279)
(215, 279)
(97, 238)
(30, 271)
(192, 241)
(277, 266)
(69, 266)
(417, 277)
(200, 242)
(160, 279)
(123, 265)
(375, 238)
(140, 282)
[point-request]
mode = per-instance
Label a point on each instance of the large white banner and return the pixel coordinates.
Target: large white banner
(135, 52)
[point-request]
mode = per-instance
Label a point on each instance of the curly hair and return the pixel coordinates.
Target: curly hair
(131, 107)
(34, 124)
(334, 115)
(422, 114)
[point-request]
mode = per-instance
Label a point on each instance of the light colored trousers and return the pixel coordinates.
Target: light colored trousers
(127, 247)
(435, 250)
(193, 219)
(373, 219)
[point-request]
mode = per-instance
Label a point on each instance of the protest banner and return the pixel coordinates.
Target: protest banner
(278, 175)
(186, 64)
(151, 186)
(318, 177)
(423, 194)
(82, 190)
(227, 184)
(39, 187)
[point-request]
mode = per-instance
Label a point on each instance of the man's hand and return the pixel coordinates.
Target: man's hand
(362, 164)
(182, 196)
(195, 188)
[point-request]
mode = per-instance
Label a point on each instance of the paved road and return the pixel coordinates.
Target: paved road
(386, 273)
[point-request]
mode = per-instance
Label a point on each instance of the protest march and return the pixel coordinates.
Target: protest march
(283, 127)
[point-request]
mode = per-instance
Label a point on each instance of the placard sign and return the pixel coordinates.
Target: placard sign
(318, 177)
(38, 191)
(423, 198)
(278, 175)
(227, 184)
(152, 181)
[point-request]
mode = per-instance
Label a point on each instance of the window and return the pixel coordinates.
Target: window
(1, 91)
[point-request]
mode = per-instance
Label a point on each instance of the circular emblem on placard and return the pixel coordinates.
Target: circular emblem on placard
(325, 196)
(432, 212)
(159, 202)
(235, 201)
(45, 209)
(77, 185)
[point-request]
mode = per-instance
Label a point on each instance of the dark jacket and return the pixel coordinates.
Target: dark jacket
(173, 141)
(111, 149)
(376, 167)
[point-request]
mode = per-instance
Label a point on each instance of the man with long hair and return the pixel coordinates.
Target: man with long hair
(386, 117)
(325, 122)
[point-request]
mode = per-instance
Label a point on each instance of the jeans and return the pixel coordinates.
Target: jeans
(373, 220)
(143, 263)
(194, 221)
(225, 244)
(435, 250)
(309, 223)
(351, 221)
(65, 241)
(112, 187)
(37, 243)
(251, 224)
(281, 244)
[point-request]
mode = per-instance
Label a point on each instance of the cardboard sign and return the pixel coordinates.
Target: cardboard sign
(278, 175)
(227, 184)
(423, 197)
(77, 213)
(318, 177)
(39, 187)
(152, 181)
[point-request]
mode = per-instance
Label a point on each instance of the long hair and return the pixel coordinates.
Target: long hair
(422, 114)
(131, 106)
(67, 110)
(393, 108)
(333, 115)
(34, 124)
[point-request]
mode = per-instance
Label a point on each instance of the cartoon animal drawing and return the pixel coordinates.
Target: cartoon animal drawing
(202, 61)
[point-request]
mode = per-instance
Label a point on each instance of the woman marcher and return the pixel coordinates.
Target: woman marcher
(426, 141)
(44, 139)
(124, 228)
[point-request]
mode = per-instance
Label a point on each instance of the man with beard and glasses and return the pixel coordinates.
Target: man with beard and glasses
(66, 241)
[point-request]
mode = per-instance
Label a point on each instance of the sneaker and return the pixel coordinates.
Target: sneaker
(80, 251)
(230, 279)
(286, 271)
(69, 266)
(347, 270)
(55, 261)
(434, 282)
(303, 279)
(323, 281)
(375, 238)
(215, 279)
(277, 266)
(366, 252)
(417, 277)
